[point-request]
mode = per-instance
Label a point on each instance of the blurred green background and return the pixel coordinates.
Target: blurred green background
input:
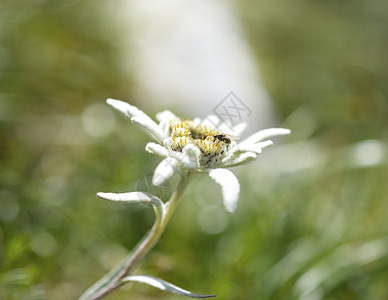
(312, 218)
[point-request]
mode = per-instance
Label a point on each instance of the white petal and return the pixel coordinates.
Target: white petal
(150, 127)
(167, 143)
(239, 129)
(229, 185)
(264, 144)
(220, 125)
(255, 148)
(166, 116)
(133, 197)
(157, 149)
(165, 170)
(264, 134)
(224, 127)
(139, 118)
(191, 156)
(236, 160)
(196, 121)
(124, 107)
(211, 121)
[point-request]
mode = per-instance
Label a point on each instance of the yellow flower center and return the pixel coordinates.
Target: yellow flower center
(210, 141)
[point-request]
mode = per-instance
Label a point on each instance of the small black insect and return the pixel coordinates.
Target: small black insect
(226, 138)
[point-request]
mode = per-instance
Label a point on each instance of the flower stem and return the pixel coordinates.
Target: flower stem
(113, 279)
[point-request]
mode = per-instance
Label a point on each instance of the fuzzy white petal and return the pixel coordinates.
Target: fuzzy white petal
(215, 122)
(264, 134)
(229, 185)
(236, 160)
(165, 170)
(133, 197)
(167, 143)
(150, 127)
(124, 107)
(197, 121)
(157, 149)
(239, 129)
(192, 154)
(139, 118)
(255, 148)
(189, 157)
(166, 116)
(211, 121)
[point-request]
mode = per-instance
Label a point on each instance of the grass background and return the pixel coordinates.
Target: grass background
(312, 218)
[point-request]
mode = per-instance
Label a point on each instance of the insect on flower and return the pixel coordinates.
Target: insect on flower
(226, 138)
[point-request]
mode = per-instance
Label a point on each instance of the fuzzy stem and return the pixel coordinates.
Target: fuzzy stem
(112, 280)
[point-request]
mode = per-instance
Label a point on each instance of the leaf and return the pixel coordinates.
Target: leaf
(163, 285)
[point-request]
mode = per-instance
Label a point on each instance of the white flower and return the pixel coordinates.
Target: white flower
(199, 146)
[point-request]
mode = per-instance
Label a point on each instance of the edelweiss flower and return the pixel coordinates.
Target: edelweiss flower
(190, 146)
